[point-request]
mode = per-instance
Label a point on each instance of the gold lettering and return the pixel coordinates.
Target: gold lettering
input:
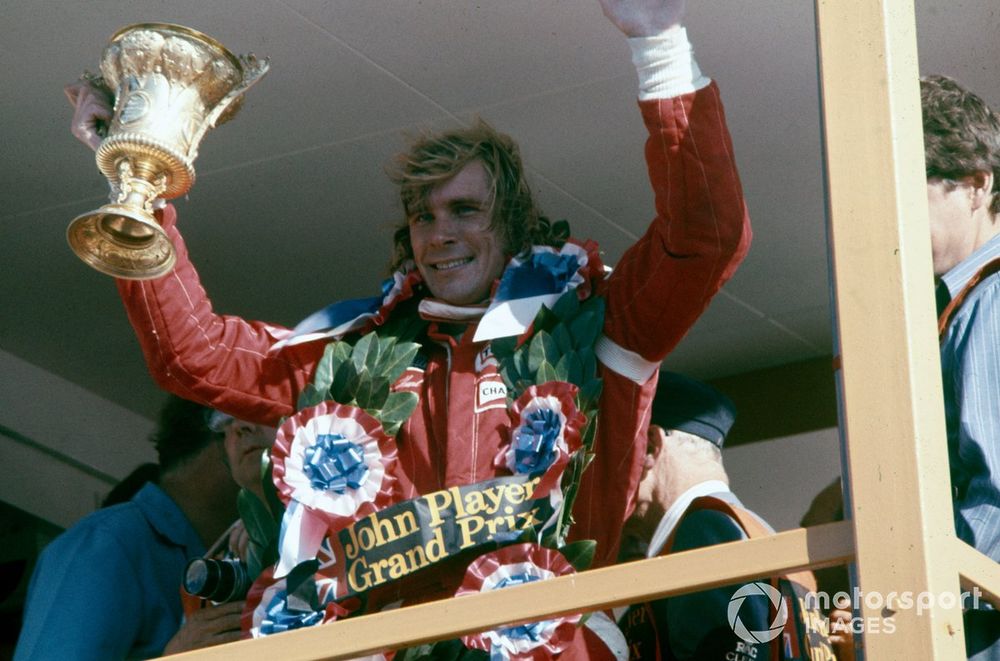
(397, 566)
(435, 548)
(418, 550)
(529, 488)
(377, 572)
(456, 497)
(436, 507)
(495, 495)
(351, 548)
(367, 541)
(384, 532)
(474, 502)
(498, 524)
(515, 493)
(528, 519)
(389, 530)
(406, 524)
(469, 526)
(358, 583)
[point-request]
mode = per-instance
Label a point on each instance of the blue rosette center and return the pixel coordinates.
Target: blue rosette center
(334, 463)
(281, 618)
(532, 631)
(534, 441)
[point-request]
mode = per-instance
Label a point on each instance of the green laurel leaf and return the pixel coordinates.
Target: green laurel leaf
(398, 359)
(543, 349)
(580, 553)
(333, 355)
(262, 530)
(585, 329)
(361, 383)
(339, 389)
(503, 347)
(563, 369)
(546, 372)
(397, 409)
(562, 337)
(309, 396)
(590, 393)
(567, 306)
(544, 320)
(359, 356)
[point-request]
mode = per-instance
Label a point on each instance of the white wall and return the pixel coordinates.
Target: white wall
(779, 478)
(62, 447)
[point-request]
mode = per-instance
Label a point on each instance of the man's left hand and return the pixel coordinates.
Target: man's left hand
(643, 18)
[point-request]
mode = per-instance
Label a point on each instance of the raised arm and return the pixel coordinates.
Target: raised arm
(222, 361)
(701, 231)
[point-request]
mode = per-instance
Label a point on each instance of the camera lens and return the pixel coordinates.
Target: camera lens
(216, 580)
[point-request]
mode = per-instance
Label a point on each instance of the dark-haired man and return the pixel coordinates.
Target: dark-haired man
(469, 218)
(109, 587)
(962, 153)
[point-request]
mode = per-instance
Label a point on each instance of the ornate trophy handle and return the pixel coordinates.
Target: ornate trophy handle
(253, 70)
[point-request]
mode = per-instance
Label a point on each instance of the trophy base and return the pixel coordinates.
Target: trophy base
(123, 242)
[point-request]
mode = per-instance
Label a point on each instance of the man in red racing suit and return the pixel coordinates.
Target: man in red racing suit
(655, 294)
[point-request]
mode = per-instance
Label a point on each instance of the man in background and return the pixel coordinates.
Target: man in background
(962, 152)
(109, 587)
(683, 503)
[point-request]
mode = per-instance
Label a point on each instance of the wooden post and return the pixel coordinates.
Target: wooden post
(892, 409)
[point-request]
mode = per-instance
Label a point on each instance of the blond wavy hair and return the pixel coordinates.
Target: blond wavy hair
(434, 158)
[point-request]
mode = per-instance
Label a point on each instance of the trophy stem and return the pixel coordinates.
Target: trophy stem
(122, 238)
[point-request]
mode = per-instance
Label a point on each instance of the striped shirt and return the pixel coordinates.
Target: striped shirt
(970, 365)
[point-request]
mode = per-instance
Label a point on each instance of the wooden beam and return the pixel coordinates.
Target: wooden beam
(825, 545)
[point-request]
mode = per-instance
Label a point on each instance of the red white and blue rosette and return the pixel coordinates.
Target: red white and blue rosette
(517, 565)
(268, 609)
(539, 278)
(546, 433)
(333, 464)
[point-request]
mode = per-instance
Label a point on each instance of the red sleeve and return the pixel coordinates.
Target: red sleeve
(222, 361)
(700, 234)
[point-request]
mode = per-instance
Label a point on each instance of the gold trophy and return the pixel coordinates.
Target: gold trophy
(171, 85)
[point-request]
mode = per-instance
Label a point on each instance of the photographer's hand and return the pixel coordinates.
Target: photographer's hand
(209, 626)
(239, 540)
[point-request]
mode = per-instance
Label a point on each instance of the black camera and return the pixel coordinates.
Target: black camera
(217, 580)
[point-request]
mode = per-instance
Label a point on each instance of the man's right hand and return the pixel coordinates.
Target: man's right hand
(209, 626)
(92, 112)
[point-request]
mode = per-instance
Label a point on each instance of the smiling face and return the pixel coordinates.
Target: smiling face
(456, 249)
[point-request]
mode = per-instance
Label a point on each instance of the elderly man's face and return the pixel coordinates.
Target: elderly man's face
(456, 251)
(648, 498)
(245, 442)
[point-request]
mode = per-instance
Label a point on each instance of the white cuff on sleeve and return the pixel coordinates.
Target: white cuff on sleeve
(666, 65)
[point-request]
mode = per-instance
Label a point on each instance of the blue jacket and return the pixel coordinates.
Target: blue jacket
(109, 587)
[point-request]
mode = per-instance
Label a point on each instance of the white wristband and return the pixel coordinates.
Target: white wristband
(666, 65)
